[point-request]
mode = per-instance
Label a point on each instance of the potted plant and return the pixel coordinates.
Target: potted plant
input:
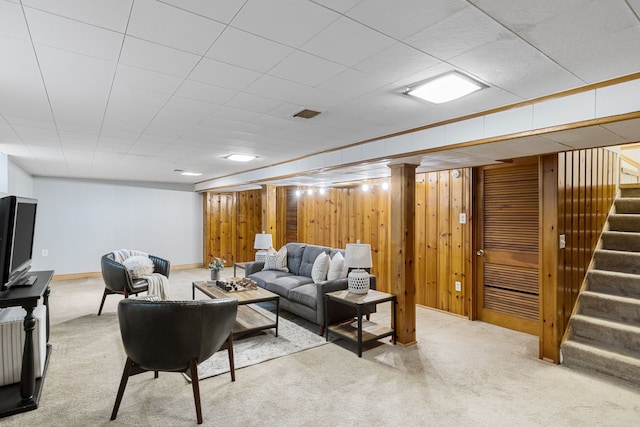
(216, 266)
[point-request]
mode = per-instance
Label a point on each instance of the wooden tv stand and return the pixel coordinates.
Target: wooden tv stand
(25, 395)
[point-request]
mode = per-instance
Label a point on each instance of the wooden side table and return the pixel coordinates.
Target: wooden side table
(360, 333)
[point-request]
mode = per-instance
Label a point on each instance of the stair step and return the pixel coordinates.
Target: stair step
(625, 262)
(621, 241)
(611, 307)
(616, 336)
(613, 283)
(591, 358)
(629, 192)
(627, 205)
(624, 222)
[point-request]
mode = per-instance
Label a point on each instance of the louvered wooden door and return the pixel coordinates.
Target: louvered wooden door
(507, 245)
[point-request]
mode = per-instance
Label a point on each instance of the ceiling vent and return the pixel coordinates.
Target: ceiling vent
(306, 114)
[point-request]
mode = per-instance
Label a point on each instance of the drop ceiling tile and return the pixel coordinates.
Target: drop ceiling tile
(173, 27)
(514, 66)
(67, 34)
(145, 79)
(204, 92)
(465, 30)
(181, 103)
(54, 60)
(340, 6)
(593, 136)
(307, 69)
(403, 19)
(275, 88)
(596, 60)
(248, 102)
(219, 10)
(522, 15)
(290, 22)
(353, 83)
(347, 42)
(220, 74)
(12, 22)
(154, 57)
(248, 50)
(584, 24)
(628, 130)
(110, 14)
(397, 62)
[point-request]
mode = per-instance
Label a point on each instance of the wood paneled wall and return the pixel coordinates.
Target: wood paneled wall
(443, 244)
(587, 182)
(345, 215)
(231, 221)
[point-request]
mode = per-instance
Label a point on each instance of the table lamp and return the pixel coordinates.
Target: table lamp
(262, 242)
(358, 256)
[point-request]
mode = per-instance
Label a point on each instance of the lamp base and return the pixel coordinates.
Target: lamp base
(261, 256)
(358, 282)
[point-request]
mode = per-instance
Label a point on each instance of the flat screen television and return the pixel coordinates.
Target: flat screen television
(17, 226)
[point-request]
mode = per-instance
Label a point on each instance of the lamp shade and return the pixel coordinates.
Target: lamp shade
(358, 255)
(262, 241)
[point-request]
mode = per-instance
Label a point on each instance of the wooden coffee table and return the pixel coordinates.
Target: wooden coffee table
(248, 319)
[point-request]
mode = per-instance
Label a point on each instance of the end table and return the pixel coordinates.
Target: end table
(360, 334)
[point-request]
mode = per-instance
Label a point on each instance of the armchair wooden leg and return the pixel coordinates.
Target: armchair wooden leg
(155, 374)
(104, 296)
(193, 370)
(123, 384)
(232, 366)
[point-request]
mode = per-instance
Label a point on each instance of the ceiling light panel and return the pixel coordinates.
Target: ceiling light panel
(445, 88)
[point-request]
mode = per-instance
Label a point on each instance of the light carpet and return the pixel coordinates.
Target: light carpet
(294, 335)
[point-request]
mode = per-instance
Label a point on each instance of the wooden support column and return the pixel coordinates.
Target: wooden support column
(269, 213)
(401, 262)
(551, 294)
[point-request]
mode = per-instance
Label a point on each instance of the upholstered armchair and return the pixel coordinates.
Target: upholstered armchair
(118, 280)
(174, 336)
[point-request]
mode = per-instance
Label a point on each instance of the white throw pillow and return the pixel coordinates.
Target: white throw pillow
(335, 267)
(276, 260)
(139, 266)
(320, 268)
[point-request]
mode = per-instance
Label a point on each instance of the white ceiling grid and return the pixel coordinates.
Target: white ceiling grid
(133, 89)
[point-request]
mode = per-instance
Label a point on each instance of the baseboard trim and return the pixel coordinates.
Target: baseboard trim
(90, 275)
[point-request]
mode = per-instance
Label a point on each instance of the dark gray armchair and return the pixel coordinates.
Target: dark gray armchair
(174, 336)
(117, 279)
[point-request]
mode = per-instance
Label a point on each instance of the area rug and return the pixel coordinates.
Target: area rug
(294, 335)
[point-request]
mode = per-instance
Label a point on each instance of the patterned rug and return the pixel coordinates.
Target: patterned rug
(294, 335)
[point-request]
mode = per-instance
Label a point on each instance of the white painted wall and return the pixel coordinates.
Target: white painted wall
(78, 221)
(20, 182)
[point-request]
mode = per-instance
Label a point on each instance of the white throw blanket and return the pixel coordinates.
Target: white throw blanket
(158, 283)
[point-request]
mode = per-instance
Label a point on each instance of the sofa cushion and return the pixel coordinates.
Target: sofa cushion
(283, 285)
(309, 256)
(336, 267)
(305, 295)
(294, 256)
(320, 268)
(267, 276)
(276, 260)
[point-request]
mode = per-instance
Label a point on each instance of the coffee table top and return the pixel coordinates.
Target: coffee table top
(250, 296)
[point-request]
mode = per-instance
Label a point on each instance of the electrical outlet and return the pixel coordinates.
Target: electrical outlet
(458, 287)
(463, 218)
(45, 252)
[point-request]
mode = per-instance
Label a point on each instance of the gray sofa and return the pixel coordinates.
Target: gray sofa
(298, 293)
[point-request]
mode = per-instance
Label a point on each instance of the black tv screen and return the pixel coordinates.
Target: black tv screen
(17, 227)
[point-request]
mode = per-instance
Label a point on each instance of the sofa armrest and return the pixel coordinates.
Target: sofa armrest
(253, 267)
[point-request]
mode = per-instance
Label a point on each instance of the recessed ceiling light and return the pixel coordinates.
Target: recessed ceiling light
(185, 173)
(240, 157)
(445, 88)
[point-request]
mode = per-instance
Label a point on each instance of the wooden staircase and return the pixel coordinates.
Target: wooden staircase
(604, 330)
